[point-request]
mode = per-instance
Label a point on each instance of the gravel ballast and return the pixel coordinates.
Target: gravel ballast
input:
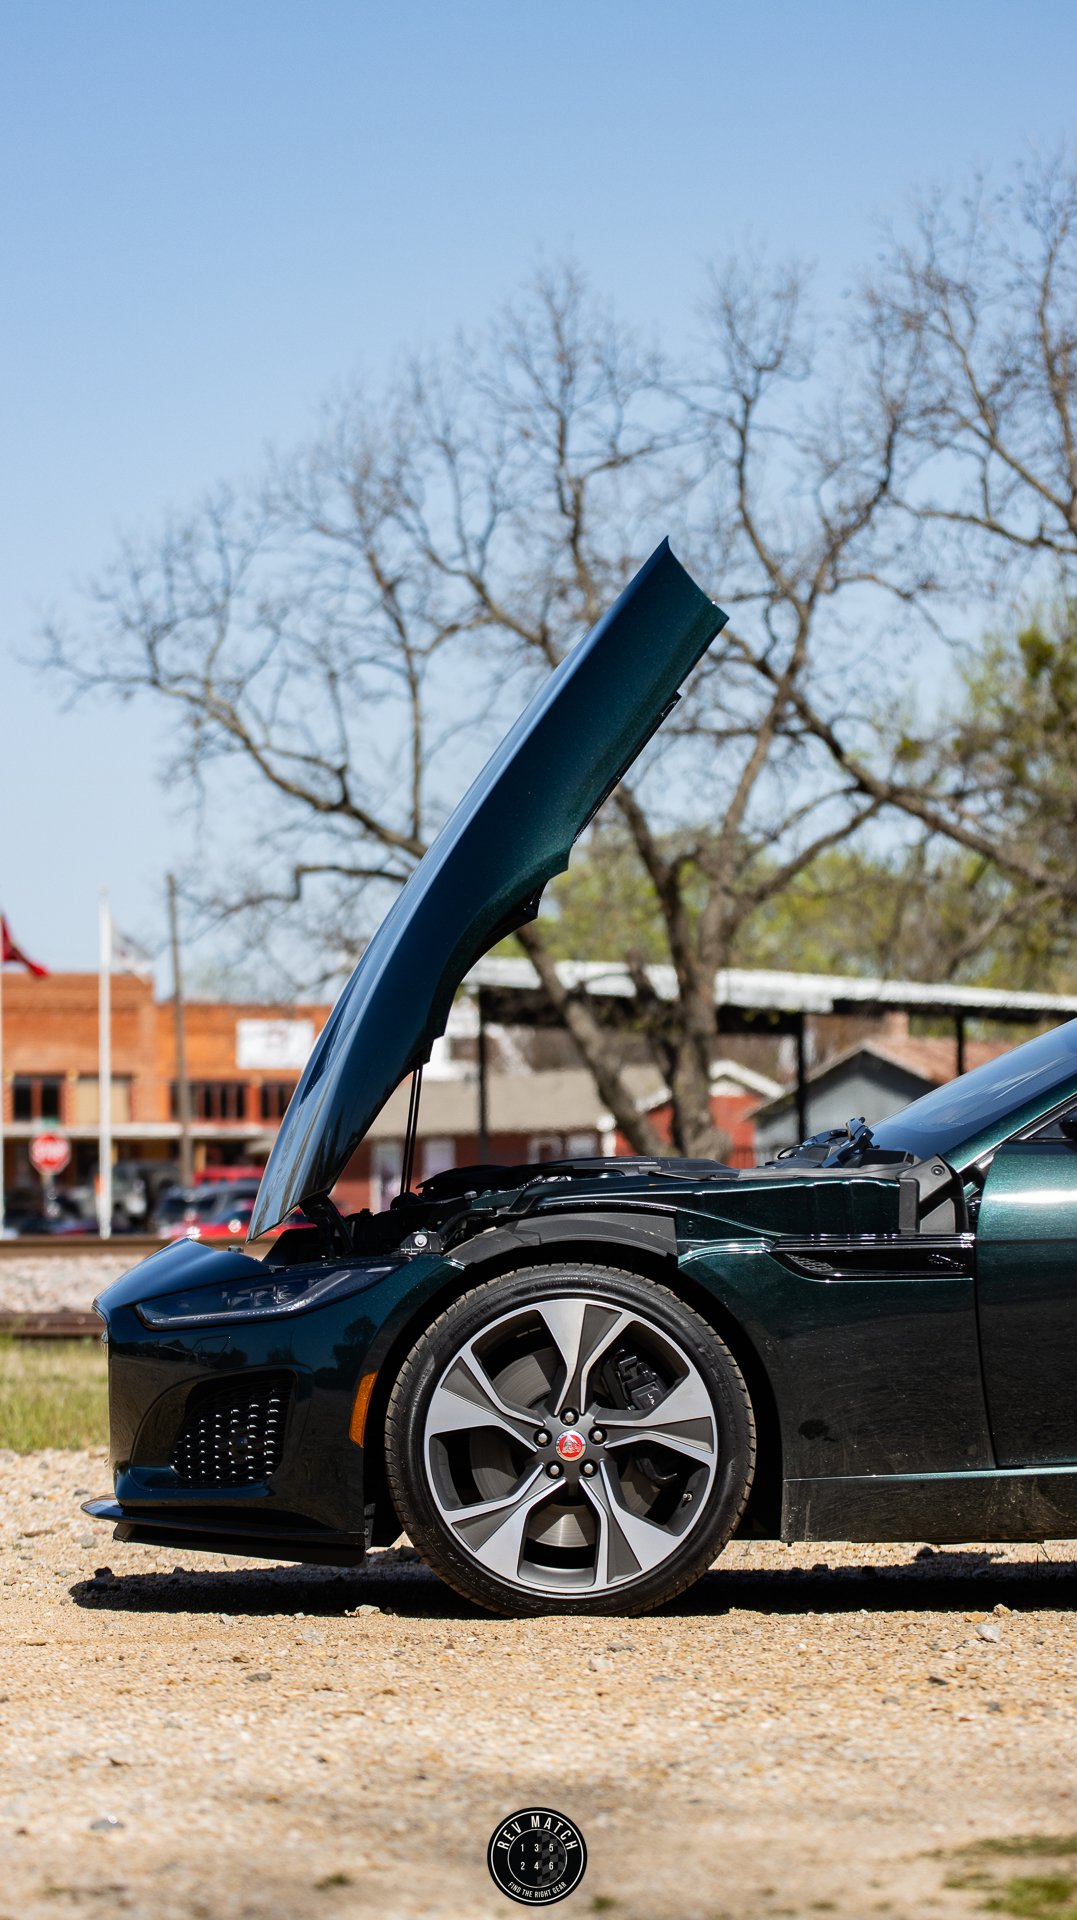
(809, 1730)
(60, 1282)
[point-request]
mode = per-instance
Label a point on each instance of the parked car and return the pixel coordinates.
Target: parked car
(572, 1383)
(137, 1186)
(182, 1207)
(240, 1174)
(211, 1214)
(171, 1206)
(27, 1210)
(65, 1224)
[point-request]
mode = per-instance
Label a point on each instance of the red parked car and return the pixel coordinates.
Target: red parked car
(215, 1214)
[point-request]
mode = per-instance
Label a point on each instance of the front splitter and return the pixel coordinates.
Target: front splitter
(321, 1549)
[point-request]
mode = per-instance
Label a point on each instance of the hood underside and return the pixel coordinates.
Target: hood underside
(484, 874)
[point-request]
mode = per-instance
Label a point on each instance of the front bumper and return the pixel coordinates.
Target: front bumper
(236, 1438)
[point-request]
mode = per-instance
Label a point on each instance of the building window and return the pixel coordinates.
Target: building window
(386, 1172)
(214, 1100)
(560, 1146)
(85, 1111)
(437, 1157)
(35, 1097)
(275, 1095)
(545, 1146)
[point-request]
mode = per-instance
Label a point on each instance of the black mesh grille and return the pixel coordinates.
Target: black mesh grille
(233, 1434)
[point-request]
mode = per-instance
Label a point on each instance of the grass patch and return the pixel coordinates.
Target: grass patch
(1050, 1895)
(1037, 1896)
(53, 1393)
(1028, 1846)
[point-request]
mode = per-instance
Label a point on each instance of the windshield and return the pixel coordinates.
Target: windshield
(982, 1107)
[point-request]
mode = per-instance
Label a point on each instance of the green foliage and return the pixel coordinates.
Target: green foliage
(907, 915)
(1006, 754)
(52, 1394)
(1015, 737)
(605, 906)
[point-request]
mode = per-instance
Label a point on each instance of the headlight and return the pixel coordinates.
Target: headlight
(260, 1299)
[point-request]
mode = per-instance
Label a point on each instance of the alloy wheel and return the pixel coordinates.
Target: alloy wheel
(570, 1445)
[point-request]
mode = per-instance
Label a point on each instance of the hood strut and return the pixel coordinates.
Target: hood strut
(330, 1222)
(411, 1130)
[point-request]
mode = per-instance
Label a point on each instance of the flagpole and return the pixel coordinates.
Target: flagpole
(104, 1069)
(3, 1141)
(183, 1085)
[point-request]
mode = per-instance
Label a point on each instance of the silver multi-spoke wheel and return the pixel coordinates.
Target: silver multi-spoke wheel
(572, 1444)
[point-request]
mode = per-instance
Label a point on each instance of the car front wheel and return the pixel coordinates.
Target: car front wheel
(569, 1439)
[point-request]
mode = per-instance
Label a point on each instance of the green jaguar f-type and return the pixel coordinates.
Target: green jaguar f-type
(571, 1384)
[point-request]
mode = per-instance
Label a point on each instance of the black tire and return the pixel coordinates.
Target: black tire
(521, 1527)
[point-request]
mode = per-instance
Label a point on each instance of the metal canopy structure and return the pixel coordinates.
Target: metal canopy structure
(749, 1000)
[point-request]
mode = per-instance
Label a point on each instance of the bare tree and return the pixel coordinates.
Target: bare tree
(945, 468)
(339, 650)
(979, 304)
(984, 296)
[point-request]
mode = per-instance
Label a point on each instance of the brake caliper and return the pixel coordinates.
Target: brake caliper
(642, 1389)
(638, 1382)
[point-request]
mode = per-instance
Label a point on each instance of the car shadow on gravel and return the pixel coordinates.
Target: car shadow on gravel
(930, 1581)
(397, 1582)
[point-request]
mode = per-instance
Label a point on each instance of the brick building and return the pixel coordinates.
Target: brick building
(238, 1094)
(243, 1062)
(736, 1091)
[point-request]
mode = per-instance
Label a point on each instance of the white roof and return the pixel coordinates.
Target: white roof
(765, 990)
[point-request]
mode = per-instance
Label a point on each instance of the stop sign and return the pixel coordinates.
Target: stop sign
(49, 1153)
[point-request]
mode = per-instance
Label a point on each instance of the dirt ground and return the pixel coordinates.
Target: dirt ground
(809, 1731)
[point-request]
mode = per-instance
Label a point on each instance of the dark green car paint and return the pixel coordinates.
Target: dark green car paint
(904, 1315)
(315, 1504)
(1027, 1277)
(900, 1411)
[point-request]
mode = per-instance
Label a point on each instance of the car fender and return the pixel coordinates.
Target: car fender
(645, 1242)
(588, 1235)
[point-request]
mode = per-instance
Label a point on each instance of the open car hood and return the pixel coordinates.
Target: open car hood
(484, 874)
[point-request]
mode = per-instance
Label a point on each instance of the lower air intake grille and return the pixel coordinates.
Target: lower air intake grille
(233, 1434)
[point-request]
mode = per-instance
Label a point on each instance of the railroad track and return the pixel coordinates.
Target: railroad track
(49, 1326)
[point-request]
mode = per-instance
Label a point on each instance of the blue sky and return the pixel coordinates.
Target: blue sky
(212, 215)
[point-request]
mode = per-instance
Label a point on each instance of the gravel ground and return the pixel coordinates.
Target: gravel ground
(810, 1730)
(59, 1282)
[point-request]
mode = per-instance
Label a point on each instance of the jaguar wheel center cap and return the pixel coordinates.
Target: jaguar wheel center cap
(571, 1445)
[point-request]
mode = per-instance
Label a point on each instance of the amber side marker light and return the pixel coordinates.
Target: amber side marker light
(361, 1407)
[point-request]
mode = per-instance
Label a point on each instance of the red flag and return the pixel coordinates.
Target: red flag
(10, 951)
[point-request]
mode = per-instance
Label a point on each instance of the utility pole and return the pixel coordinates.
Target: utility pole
(104, 1069)
(183, 1085)
(484, 1084)
(3, 1143)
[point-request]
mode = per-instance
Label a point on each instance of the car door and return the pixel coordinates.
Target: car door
(1026, 1283)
